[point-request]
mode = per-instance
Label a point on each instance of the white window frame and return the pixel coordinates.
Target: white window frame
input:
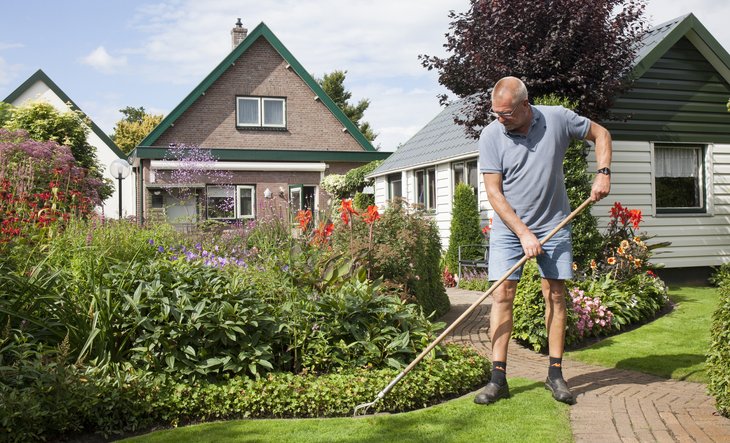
(703, 171)
(465, 172)
(262, 101)
(392, 179)
(239, 211)
(429, 175)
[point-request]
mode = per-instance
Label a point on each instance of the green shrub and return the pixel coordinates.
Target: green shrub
(529, 309)
(718, 356)
(63, 402)
(362, 201)
(405, 250)
(464, 227)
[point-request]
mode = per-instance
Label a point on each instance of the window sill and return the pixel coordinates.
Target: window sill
(262, 128)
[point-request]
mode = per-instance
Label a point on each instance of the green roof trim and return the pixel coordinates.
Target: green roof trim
(261, 31)
(680, 27)
(42, 77)
(157, 153)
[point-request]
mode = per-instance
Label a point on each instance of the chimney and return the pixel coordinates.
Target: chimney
(238, 34)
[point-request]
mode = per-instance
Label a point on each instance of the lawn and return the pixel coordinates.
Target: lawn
(530, 415)
(672, 346)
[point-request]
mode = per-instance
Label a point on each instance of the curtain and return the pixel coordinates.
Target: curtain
(677, 162)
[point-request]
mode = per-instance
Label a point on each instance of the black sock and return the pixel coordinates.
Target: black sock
(499, 372)
(555, 371)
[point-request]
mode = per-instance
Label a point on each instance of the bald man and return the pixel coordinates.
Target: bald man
(521, 156)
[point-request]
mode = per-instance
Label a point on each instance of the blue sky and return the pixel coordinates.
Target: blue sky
(107, 55)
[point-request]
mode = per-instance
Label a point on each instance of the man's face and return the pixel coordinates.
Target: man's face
(514, 116)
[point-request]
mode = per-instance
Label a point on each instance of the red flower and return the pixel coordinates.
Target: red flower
(371, 215)
(346, 210)
(322, 233)
(635, 217)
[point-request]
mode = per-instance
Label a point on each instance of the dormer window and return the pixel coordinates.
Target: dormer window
(260, 112)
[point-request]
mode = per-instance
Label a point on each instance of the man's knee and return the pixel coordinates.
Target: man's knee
(505, 293)
(553, 291)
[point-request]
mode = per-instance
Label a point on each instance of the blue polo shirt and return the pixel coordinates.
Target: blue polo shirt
(532, 165)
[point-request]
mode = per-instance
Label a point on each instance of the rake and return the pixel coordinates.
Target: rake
(363, 408)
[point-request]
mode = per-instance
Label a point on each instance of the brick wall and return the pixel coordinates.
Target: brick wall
(260, 71)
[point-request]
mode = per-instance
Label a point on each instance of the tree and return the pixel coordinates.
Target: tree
(464, 225)
(582, 51)
(133, 128)
(334, 85)
(44, 123)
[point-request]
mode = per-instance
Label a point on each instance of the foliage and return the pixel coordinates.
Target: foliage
(464, 227)
(362, 201)
(334, 85)
(6, 111)
(529, 310)
(584, 227)
(44, 123)
(41, 187)
(67, 401)
(582, 51)
(132, 129)
(593, 317)
(474, 279)
(348, 185)
(404, 249)
(718, 356)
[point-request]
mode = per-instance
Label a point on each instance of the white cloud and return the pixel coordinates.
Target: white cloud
(8, 72)
(102, 61)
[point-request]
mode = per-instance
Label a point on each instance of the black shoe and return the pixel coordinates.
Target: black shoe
(560, 390)
(491, 393)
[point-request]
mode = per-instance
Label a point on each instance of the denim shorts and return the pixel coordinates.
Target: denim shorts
(505, 250)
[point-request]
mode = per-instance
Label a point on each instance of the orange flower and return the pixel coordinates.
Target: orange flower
(593, 265)
(624, 244)
(322, 233)
(620, 251)
(637, 262)
(346, 210)
(611, 260)
(635, 217)
(304, 217)
(371, 215)
(637, 240)
(575, 266)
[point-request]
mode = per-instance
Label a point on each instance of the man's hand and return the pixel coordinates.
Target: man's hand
(601, 187)
(530, 244)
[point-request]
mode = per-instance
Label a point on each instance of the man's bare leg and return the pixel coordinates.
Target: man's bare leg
(555, 319)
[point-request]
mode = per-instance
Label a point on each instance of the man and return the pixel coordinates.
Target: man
(521, 156)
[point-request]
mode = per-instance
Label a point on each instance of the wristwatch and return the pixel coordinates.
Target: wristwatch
(604, 171)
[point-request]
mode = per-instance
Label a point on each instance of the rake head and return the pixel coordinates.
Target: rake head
(362, 409)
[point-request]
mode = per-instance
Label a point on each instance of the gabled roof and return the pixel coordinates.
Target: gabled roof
(659, 39)
(261, 31)
(41, 76)
(443, 140)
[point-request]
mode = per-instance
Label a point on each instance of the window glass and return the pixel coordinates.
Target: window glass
(421, 187)
(432, 189)
(248, 111)
(472, 175)
(219, 202)
(246, 201)
(273, 112)
(458, 173)
(679, 178)
(395, 185)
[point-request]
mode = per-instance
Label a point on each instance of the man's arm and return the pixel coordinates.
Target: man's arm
(602, 139)
(530, 243)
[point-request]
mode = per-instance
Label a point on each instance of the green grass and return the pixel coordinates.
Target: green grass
(672, 346)
(529, 415)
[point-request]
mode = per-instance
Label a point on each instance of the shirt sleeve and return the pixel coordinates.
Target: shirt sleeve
(489, 158)
(578, 126)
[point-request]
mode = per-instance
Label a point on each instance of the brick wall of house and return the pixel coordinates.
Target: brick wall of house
(260, 71)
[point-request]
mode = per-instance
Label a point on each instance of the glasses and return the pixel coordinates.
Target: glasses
(509, 114)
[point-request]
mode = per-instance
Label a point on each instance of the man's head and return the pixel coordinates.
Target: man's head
(510, 104)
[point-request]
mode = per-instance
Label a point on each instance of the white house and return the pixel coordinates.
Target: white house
(671, 151)
(39, 87)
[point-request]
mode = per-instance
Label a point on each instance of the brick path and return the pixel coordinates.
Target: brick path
(613, 405)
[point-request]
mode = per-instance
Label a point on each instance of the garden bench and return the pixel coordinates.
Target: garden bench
(479, 263)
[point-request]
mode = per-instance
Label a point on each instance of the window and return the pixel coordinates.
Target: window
(301, 198)
(466, 172)
(229, 202)
(258, 112)
(679, 178)
(426, 188)
(395, 185)
(158, 200)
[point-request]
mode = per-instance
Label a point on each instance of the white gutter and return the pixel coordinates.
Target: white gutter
(239, 166)
(425, 164)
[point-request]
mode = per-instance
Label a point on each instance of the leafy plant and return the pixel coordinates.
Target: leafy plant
(464, 227)
(718, 356)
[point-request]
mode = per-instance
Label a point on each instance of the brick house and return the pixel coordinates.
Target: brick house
(273, 132)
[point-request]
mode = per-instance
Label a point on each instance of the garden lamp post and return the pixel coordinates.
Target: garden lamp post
(120, 169)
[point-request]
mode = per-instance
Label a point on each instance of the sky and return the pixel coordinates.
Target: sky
(107, 55)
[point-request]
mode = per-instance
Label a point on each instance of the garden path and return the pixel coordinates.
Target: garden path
(613, 405)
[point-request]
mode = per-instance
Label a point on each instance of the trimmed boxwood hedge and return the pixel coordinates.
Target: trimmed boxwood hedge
(66, 401)
(718, 357)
